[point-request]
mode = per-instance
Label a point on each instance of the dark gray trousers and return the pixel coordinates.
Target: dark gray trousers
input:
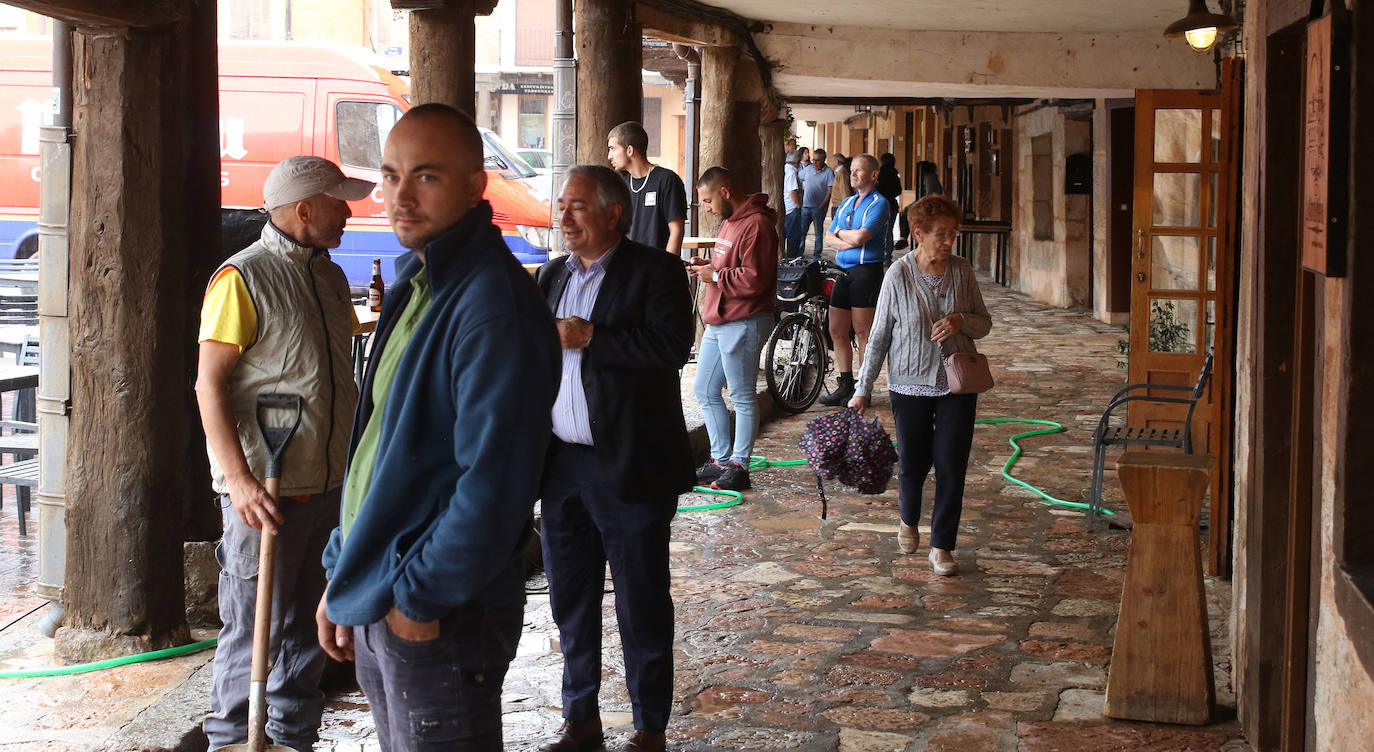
(294, 700)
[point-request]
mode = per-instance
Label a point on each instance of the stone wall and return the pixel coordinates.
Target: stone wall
(1054, 268)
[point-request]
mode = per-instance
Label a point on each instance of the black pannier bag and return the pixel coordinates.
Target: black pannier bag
(798, 279)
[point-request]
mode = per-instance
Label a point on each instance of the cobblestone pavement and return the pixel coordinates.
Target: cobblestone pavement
(801, 634)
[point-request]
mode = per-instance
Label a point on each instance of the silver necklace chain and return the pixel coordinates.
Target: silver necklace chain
(645, 184)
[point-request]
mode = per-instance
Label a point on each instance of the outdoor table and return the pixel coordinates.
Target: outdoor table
(15, 377)
(1162, 659)
(367, 324)
(692, 245)
(1002, 230)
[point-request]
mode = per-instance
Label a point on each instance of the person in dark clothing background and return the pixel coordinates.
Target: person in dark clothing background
(890, 188)
(927, 184)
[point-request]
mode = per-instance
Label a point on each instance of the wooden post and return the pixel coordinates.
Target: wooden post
(770, 159)
(443, 55)
(145, 197)
(610, 60)
(1162, 659)
(731, 93)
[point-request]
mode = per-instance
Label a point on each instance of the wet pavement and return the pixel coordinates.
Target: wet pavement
(796, 633)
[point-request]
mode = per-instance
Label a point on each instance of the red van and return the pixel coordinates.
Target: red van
(277, 99)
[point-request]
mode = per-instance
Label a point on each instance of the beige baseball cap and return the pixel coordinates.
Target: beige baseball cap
(298, 178)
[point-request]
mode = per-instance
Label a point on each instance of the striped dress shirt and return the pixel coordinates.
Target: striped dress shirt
(571, 420)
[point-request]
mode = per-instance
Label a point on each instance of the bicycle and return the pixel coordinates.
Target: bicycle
(797, 361)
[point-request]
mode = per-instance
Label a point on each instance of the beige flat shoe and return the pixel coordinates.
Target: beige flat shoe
(943, 562)
(908, 537)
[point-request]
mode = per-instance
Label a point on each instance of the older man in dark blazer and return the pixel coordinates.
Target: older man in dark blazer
(619, 457)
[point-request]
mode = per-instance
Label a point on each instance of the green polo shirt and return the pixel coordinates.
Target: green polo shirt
(365, 456)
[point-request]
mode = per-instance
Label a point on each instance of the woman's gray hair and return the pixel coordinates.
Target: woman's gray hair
(610, 189)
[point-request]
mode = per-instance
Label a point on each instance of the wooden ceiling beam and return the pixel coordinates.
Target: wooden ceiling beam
(140, 13)
(671, 27)
(478, 7)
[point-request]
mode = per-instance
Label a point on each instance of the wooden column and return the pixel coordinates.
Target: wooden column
(144, 217)
(731, 93)
(770, 160)
(1162, 659)
(610, 87)
(443, 56)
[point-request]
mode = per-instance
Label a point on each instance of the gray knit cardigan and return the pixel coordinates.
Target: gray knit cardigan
(901, 334)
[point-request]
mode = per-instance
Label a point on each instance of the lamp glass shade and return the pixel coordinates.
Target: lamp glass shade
(1201, 39)
(1199, 19)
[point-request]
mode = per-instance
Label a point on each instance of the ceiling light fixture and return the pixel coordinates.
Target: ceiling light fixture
(1200, 27)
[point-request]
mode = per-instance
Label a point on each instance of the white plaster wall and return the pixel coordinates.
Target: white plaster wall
(1101, 212)
(1040, 268)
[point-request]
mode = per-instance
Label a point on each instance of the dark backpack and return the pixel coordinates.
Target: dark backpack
(844, 446)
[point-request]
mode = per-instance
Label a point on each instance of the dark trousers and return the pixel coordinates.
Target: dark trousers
(294, 699)
(585, 525)
(934, 431)
(794, 227)
(445, 693)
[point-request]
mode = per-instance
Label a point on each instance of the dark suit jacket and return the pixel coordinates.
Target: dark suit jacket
(642, 335)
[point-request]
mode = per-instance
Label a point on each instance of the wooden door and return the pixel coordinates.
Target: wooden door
(1182, 299)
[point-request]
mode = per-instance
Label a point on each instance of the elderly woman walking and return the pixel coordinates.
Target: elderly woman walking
(929, 306)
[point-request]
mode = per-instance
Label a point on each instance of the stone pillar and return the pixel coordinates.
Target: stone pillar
(144, 230)
(731, 93)
(443, 55)
(610, 61)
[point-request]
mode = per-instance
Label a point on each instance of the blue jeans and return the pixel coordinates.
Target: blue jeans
(813, 217)
(729, 354)
(794, 228)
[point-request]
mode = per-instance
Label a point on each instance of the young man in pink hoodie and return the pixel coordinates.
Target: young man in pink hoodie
(741, 280)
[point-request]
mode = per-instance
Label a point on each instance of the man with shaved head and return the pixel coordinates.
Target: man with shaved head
(426, 567)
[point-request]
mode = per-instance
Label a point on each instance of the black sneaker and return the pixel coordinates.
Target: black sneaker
(707, 474)
(734, 477)
(844, 390)
(900, 245)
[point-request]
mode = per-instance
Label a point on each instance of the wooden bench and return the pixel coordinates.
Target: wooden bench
(1149, 436)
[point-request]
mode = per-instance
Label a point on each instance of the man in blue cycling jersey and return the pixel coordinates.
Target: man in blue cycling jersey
(859, 234)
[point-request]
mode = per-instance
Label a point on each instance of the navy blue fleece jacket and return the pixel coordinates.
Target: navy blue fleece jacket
(464, 431)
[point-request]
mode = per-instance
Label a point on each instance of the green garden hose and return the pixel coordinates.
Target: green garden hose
(731, 499)
(80, 668)
(758, 463)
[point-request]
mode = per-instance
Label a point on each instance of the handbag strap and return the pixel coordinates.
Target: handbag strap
(921, 300)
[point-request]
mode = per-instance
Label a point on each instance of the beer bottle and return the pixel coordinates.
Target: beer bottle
(377, 289)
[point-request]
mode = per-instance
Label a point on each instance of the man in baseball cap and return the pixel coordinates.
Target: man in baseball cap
(277, 317)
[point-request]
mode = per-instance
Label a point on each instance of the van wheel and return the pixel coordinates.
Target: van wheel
(27, 248)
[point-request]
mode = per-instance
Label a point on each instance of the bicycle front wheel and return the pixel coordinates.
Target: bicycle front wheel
(795, 363)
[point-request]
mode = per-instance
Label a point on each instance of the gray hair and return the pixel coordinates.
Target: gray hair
(794, 157)
(610, 190)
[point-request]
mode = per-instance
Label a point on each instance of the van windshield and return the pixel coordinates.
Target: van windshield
(362, 130)
(498, 156)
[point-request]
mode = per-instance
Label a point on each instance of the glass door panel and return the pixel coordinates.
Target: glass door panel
(1174, 262)
(1177, 199)
(1173, 325)
(1178, 135)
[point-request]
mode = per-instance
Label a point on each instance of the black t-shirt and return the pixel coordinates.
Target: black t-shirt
(656, 199)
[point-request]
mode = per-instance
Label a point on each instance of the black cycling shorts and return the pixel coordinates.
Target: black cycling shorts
(859, 289)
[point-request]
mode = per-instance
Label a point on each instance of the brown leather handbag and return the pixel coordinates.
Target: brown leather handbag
(967, 372)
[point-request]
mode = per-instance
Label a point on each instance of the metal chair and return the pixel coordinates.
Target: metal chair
(22, 440)
(1125, 435)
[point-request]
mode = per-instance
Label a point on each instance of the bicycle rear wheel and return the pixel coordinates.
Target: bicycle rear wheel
(795, 363)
